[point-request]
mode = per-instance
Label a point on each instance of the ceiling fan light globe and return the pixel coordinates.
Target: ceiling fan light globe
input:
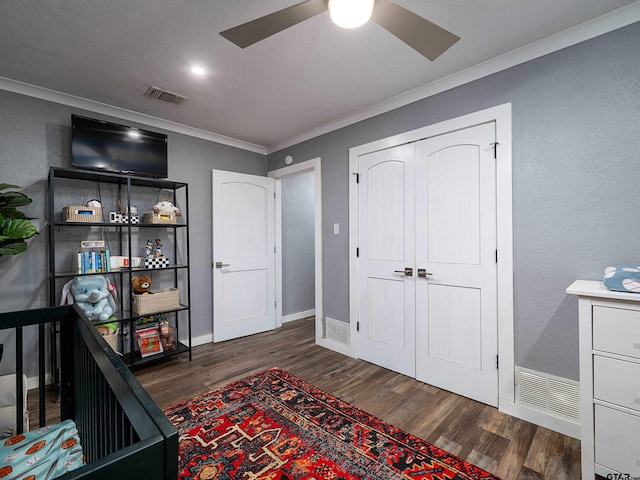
(350, 13)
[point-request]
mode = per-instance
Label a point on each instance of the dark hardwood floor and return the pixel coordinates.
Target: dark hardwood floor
(508, 447)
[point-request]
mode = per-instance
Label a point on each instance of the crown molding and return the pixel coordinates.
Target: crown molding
(130, 115)
(593, 28)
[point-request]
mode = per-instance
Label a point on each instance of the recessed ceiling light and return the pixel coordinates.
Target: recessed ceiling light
(198, 71)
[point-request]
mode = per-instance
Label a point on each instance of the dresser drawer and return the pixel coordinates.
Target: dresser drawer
(616, 330)
(617, 437)
(616, 381)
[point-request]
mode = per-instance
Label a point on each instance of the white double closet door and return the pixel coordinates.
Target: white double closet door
(427, 262)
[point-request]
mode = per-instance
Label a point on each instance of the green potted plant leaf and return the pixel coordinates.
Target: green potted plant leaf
(15, 226)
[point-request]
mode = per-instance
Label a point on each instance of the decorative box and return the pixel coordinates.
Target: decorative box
(133, 219)
(156, 262)
(151, 217)
(116, 262)
(75, 213)
(160, 300)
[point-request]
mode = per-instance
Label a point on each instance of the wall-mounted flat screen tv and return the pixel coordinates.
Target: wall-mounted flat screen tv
(100, 145)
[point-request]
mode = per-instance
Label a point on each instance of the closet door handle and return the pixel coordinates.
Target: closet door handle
(220, 264)
(422, 273)
(408, 271)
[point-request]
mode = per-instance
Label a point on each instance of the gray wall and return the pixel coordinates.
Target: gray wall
(298, 243)
(35, 134)
(576, 182)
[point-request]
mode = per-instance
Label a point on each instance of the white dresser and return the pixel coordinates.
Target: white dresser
(609, 324)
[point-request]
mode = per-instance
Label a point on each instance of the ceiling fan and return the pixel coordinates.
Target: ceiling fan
(419, 33)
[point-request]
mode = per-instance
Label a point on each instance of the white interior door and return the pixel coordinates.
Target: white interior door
(456, 302)
(386, 239)
(243, 255)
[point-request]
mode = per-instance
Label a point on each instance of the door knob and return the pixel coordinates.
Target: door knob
(408, 271)
(220, 264)
(422, 273)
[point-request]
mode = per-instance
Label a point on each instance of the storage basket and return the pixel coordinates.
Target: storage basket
(75, 213)
(151, 217)
(160, 300)
(112, 340)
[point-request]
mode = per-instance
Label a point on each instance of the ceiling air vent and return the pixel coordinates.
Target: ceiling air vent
(165, 95)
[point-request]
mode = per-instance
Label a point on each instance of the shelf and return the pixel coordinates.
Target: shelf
(127, 315)
(123, 238)
(120, 271)
(119, 225)
(97, 176)
(135, 360)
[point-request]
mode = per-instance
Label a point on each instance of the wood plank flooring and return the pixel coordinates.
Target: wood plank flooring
(508, 447)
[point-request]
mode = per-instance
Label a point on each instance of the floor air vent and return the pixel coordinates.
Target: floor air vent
(337, 331)
(165, 95)
(553, 395)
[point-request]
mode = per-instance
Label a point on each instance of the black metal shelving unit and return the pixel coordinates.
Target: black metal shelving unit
(123, 231)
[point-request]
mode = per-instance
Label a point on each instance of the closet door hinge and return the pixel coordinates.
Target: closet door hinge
(357, 326)
(357, 251)
(495, 149)
(496, 256)
(357, 177)
(497, 362)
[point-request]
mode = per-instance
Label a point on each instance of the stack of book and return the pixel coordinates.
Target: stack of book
(93, 261)
(148, 336)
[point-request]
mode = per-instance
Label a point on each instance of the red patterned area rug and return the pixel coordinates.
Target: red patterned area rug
(274, 426)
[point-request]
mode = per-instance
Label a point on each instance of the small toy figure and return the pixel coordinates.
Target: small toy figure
(166, 335)
(148, 250)
(158, 248)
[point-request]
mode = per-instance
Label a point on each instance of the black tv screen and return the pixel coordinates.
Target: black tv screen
(100, 145)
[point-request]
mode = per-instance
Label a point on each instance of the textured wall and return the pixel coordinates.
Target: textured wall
(298, 243)
(576, 151)
(35, 134)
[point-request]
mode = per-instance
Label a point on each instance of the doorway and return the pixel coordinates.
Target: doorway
(300, 179)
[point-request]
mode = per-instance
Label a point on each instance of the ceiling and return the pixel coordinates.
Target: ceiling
(294, 82)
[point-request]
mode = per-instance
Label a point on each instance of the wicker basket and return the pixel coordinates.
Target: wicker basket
(112, 340)
(160, 300)
(151, 217)
(75, 213)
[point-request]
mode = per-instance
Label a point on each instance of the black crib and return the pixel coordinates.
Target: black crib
(124, 434)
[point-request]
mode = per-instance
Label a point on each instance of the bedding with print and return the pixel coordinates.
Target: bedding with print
(42, 454)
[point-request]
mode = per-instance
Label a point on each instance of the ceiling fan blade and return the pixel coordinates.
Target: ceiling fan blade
(419, 33)
(263, 27)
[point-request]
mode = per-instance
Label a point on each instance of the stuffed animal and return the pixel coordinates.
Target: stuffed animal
(108, 329)
(93, 294)
(141, 284)
(166, 335)
(165, 207)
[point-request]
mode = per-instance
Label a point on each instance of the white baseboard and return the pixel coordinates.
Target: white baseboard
(297, 316)
(197, 341)
(32, 382)
(336, 347)
(565, 427)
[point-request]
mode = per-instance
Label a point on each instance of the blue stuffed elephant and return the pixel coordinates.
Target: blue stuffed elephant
(93, 294)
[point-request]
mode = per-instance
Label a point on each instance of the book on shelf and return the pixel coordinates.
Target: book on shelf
(93, 260)
(149, 341)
